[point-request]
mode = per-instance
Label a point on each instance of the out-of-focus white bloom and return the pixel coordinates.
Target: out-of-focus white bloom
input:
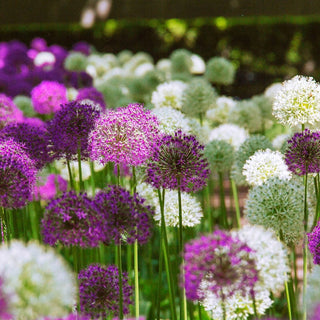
(230, 133)
(272, 90)
(198, 65)
(221, 112)
(201, 132)
(165, 66)
(270, 255)
(100, 65)
(171, 120)
(298, 102)
(38, 281)
(265, 164)
(72, 94)
(169, 94)
(91, 70)
(279, 140)
(44, 58)
(138, 59)
(142, 69)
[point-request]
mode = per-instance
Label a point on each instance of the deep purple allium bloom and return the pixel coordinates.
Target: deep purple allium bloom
(314, 243)
(99, 291)
(126, 218)
(82, 47)
(4, 305)
(35, 140)
(72, 219)
(17, 175)
(124, 136)
(48, 96)
(178, 161)
(49, 190)
(69, 130)
(38, 44)
(78, 79)
(92, 94)
(219, 263)
(9, 112)
(303, 153)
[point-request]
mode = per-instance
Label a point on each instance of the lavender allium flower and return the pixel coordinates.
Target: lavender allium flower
(47, 97)
(316, 312)
(219, 263)
(314, 243)
(49, 190)
(69, 130)
(99, 291)
(9, 112)
(178, 161)
(303, 153)
(72, 219)
(4, 304)
(34, 139)
(91, 95)
(17, 175)
(125, 217)
(124, 136)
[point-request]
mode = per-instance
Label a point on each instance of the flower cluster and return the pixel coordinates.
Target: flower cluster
(8, 111)
(314, 243)
(91, 95)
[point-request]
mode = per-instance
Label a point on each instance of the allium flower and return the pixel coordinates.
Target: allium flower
(48, 96)
(125, 217)
(52, 186)
(124, 136)
(8, 111)
(34, 139)
(316, 312)
(70, 128)
(198, 97)
(178, 162)
(279, 141)
(72, 219)
(270, 255)
(39, 281)
(17, 175)
(314, 243)
(169, 94)
(303, 153)
(230, 133)
(99, 291)
(198, 65)
(44, 59)
(298, 102)
(219, 263)
(272, 90)
(181, 61)
(263, 165)
(223, 106)
(24, 103)
(220, 155)
(278, 205)
(201, 132)
(220, 71)
(76, 61)
(92, 95)
(4, 303)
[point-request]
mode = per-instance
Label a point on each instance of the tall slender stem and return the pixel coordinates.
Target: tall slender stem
(79, 166)
(3, 226)
(236, 202)
(92, 178)
(70, 175)
(119, 260)
(223, 210)
(305, 248)
(136, 279)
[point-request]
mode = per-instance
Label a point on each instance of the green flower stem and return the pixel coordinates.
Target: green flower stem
(199, 311)
(92, 178)
(305, 248)
(118, 174)
(288, 300)
(317, 191)
(236, 202)
(3, 226)
(119, 260)
(255, 307)
(136, 278)
(70, 175)
(223, 210)
(75, 259)
(207, 206)
(79, 166)
(159, 281)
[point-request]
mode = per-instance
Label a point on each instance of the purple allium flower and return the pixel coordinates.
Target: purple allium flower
(69, 129)
(218, 263)
(49, 190)
(82, 47)
(78, 79)
(9, 112)
(124, 136)
(99, 291)
(4, 305)
(126, 218)
(89, 95)
(179, 157)
(33, 138)
(72, 219)
(314, 243)
(303, 153)
(17, 175)
(316, 312)
(38, 44)
(48, 96)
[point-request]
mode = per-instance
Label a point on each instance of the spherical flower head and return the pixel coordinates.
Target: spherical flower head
(181, 61)
(76, 61)
(178, 162)
(198, 65)
(35, 141)
(302, 154)
(125, 217)
(124, 136)
(272, 90)
(219, 263)
(48, 96)
(99, 291)
(92, 94)
(39, 281)
(263, 165)
(200, 131)
(70, 128)
(298, 102)
(54, 184)
(72, 219)
(112, 94)
(264, 103)
(220, 71)
(24, 103)
(219, 113)
(198, 97)
(44, 59)
(9, 112)
(230, 133)
(4, 303)
(314, 243)
(270, 255)
(17, 175)
(277, 205)
(220, 155)
(169, 94)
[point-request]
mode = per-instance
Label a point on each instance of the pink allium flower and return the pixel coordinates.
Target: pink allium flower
(9, 112)
(49, 190)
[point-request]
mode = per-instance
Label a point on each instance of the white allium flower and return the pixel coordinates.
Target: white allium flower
(198, 65)
(38, 280)
(72, 93)
(270, 255)
(237, 306)
(142, 69)
(165, 66)
(201, 132)
(230, 133)
(100, 65)
(171, 120)
(169, 94)
(265, 164)
(91, 70)
(279, 140)
(298, 102)
(43, 58)
(272, 90)
(221, 112)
